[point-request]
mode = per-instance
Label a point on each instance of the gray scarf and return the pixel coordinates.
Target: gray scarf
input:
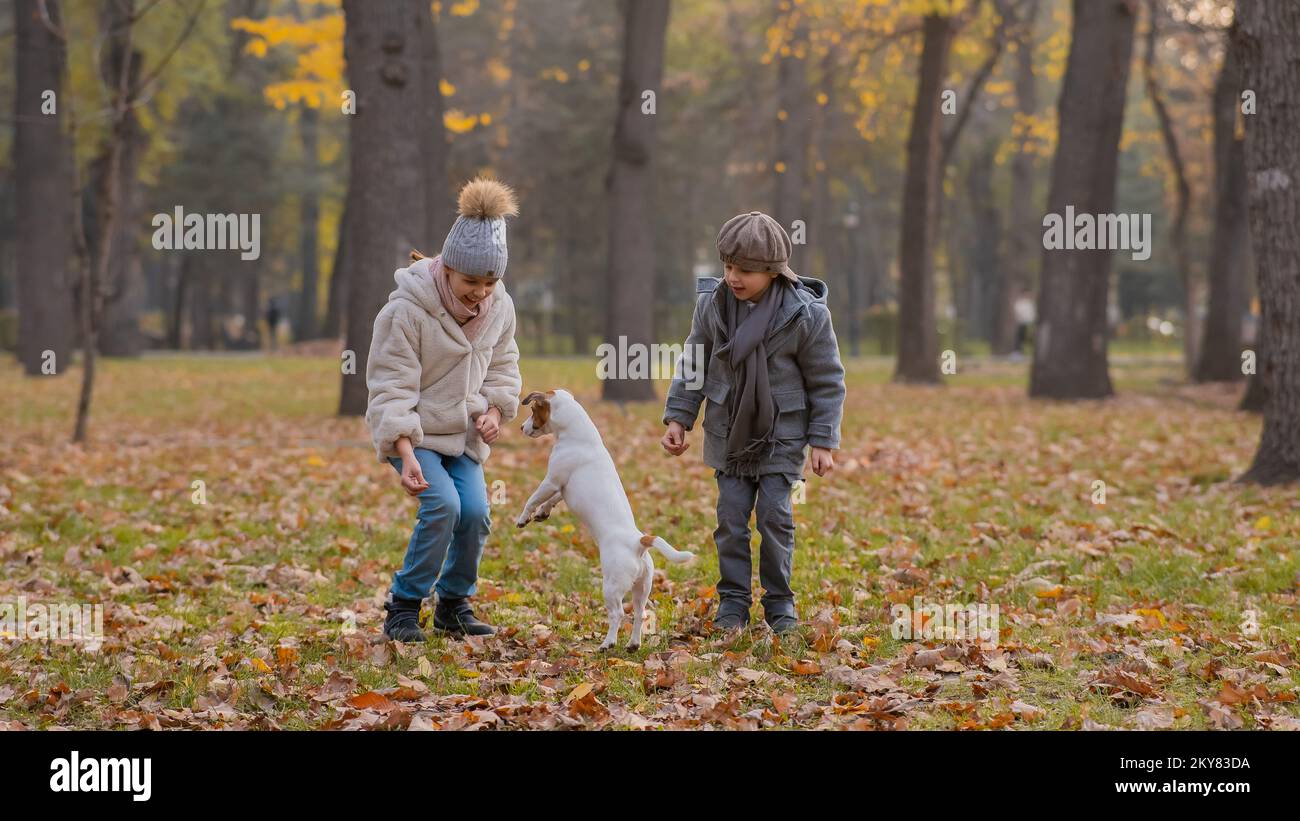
(751, 410)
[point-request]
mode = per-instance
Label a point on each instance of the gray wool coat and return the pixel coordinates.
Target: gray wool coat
(804, 371)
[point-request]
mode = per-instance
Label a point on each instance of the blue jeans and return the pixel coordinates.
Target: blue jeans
(450, 529)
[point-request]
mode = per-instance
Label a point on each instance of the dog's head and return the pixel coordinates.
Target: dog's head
(545, 408)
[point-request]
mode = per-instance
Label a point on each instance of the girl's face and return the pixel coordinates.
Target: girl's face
(747, 284)
(470, 290)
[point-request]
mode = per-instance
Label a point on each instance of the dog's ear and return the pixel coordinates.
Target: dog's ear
(541, 407)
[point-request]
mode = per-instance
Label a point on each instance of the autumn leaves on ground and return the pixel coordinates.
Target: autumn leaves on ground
(1170, 605)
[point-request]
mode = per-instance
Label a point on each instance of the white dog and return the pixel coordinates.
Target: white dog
(582, 474)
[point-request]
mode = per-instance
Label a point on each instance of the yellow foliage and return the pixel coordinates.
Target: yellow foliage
(288, 31)
(318, 71)
(308, 92)
(464, 8)
(499, 71)
(995, 88)
(458, 122)
(446, 88)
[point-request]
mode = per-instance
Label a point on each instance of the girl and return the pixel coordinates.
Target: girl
(443, 376)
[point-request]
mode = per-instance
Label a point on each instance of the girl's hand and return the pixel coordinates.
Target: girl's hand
(823, 462)
(489, 424)
(674, 440)
(412, 477)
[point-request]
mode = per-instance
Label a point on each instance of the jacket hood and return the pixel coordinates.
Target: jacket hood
(813, 289)
(816, 288)
(415, 284)
(797, 296)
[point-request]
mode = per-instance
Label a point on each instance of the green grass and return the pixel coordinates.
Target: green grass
(948, 493)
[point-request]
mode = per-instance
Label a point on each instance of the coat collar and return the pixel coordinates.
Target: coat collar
(795, 298)
(414, 284)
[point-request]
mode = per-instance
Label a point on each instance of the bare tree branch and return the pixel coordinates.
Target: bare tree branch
(166, 58)
(974, 89)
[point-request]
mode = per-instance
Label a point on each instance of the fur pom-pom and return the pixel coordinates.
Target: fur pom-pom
(487, 199)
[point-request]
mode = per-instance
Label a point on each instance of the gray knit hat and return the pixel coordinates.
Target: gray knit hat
(476, 243)
(756, 242)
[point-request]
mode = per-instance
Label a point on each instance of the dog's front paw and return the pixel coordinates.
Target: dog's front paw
(522, 520)
(541, 515)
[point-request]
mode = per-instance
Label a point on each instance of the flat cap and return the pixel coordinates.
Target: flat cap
(756, 242)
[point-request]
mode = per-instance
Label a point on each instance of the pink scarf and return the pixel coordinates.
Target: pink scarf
(471, 320)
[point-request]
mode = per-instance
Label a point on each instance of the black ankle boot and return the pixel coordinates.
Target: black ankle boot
(403, 621)
(455, 616)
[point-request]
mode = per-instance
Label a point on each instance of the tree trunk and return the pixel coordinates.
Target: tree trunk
(1220, 359)
(383, 45)
(793, 133)
(202, 336)
(183, 283)
(631, 253)
(1255, 398)
(822, 221)
(918, 341)
(1021, 245)
(119, 26)
(1183, 193)
(433, 140)
(250, 301)
(1071, 337)
(119, 329)
(573, 282)
(1268, 31)
(334, 311)
(985, 279)
(42, 157)
(309, 241)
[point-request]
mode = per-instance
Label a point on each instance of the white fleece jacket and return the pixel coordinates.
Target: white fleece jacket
(427, 381)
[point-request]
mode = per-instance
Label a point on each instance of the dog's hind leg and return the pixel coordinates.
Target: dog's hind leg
(614, 607)
(640, 595)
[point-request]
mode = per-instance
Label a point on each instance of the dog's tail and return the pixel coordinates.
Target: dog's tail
(666, 550)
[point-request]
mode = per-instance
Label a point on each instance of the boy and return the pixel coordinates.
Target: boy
(775, 384)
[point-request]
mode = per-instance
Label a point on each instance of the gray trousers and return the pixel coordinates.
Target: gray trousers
(768, 497)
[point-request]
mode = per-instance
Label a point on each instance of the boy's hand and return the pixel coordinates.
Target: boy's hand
(412, 477)
(674, 440)
(823, 462)
(489, 424)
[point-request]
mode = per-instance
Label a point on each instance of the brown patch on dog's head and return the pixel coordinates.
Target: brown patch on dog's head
(541, 403)
(647, 539)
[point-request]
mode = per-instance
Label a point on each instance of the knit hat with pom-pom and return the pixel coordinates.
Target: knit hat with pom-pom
(476, 244)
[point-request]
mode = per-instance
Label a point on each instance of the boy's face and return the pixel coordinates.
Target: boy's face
(470, 290)
(747, 284)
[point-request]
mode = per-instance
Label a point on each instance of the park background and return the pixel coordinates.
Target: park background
(223, 504)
